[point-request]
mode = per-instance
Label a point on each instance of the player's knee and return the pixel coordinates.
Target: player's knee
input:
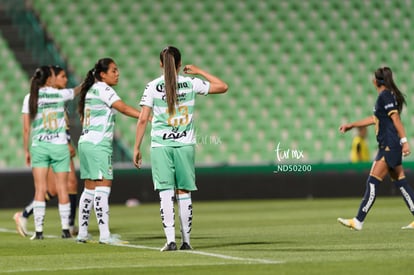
(400, 182)
(372, 179)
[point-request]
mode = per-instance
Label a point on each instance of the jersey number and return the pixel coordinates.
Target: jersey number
(87, 118)
(181, 119)
(50, 121)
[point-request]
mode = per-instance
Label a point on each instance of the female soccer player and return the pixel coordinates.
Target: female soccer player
(98, 104)
(171, 98)
(60, 83)
(21, 217)
(392, 145)
(49, 145)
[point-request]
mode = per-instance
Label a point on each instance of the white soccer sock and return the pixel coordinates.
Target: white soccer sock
(167, 214)
(102, 211)
(64, 211)
(39, 212)
(85, 207)
(185, 209)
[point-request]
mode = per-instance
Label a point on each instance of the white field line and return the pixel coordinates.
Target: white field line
(197, 252)
(215, 255)
(100, 267)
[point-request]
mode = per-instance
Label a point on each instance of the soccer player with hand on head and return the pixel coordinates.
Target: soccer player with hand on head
(171, 99)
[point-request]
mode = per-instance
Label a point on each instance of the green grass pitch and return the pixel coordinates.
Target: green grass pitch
(229, 237)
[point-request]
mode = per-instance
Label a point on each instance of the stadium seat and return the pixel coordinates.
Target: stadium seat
(296, 69)
(14, 84)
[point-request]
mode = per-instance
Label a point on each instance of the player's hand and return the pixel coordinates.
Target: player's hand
(72, 151)
(191, 69)
(137, 158)
(27, 158)
(346, 127)
(406, 149)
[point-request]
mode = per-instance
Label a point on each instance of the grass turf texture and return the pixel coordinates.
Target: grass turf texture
(237, 237)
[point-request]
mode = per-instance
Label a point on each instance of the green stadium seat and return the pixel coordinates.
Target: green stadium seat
(14, 84)
(289, 64)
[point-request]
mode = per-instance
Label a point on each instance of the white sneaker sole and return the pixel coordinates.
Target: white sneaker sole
(408, 227)
(19, 227)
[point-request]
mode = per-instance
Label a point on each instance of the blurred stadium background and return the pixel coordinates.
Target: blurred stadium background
(296, 69)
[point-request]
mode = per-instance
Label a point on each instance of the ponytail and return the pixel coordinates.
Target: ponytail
(170, 59)
(170, 77)
(37, 81)
(86, 85)
(384, 77)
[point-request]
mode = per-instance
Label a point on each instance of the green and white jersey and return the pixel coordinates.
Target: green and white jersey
(177, 129)
(49, 124)
(98, 116)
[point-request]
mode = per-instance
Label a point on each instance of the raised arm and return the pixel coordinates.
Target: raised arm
(127, 110)
(77, 89)
(217, 86)
(360, 123)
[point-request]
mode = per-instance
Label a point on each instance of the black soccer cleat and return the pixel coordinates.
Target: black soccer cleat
(186, 246)
(66, 234)
(37, 236)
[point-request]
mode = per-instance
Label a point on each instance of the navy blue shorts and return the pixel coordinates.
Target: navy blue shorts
(392, 157)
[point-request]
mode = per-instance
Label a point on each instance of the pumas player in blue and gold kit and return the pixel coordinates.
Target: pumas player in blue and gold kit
(392, 145)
